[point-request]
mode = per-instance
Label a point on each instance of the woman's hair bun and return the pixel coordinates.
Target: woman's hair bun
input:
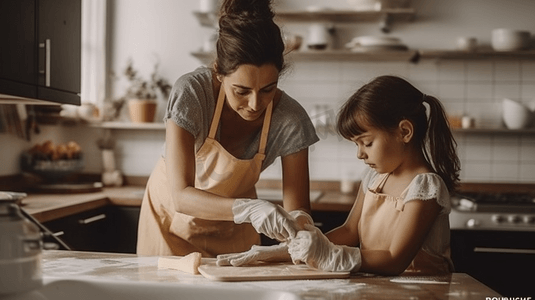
(247, 9)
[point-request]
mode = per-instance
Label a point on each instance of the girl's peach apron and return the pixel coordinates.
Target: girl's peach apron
(164, 231)
(380, 216)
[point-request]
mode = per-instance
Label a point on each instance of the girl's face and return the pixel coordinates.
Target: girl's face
(381, 150)
(250, 89)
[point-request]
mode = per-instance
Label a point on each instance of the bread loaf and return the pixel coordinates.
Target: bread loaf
(189, 263)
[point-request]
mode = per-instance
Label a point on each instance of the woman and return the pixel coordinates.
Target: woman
(223, 127)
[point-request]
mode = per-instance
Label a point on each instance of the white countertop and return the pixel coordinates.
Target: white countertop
(102, 266)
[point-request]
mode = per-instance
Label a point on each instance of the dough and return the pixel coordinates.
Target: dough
(189, 263)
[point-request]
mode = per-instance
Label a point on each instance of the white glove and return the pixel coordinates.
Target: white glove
(272, 253)
(312, 247)
(301, 218)
(267, 218)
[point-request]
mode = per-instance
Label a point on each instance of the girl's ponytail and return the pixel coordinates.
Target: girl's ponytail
(440, 149)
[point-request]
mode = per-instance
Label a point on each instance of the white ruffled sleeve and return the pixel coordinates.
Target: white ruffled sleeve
(429, 186)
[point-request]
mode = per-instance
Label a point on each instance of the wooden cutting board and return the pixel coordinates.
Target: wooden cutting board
(265, 271)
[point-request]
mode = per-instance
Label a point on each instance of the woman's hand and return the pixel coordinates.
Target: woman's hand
(312, 247)
(267, 218)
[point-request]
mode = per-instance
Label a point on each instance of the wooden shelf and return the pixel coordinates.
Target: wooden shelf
(331, 55)
(333, 16)
(410, 55)
(161, 126)
(347, 16)
(129, 125)
(498, 130)
(478, 54)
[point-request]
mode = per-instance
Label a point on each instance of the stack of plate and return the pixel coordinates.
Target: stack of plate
(376, 43)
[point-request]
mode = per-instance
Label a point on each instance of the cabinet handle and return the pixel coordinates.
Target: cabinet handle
(503, 250)
(46, 72)
(59, 233)
(92, 219)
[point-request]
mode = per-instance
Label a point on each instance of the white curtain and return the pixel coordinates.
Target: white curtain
(93, 51)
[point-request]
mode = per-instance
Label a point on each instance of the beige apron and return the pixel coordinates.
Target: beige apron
(164, 231)
(381, 214)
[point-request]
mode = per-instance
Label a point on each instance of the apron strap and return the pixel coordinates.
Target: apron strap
(379, 183)
(217, 113)
(265, 126)
(267, 123)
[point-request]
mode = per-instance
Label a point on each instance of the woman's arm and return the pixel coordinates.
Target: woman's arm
(180, 167)
(295, 181)
(418, 218)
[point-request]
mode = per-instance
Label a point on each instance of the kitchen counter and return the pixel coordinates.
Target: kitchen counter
(47, 207)
(129, 267)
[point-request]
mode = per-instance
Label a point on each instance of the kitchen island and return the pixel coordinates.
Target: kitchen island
(132, 268)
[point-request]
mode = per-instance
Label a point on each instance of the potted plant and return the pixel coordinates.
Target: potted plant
(142, 94)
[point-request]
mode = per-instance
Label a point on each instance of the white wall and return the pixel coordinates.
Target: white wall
(167, 29)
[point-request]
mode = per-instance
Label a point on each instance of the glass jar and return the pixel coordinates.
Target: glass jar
(20, 248)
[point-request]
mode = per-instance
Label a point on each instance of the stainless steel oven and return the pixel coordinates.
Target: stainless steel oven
(493, 240)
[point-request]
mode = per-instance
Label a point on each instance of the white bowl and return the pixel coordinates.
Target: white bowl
(515, 115)
(504, 39)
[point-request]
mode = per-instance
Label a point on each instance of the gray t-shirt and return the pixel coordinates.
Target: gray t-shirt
(191, 106)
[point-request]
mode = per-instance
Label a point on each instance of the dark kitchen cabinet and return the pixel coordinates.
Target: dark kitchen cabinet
(40, 57)
(105, 229)
(502, 260)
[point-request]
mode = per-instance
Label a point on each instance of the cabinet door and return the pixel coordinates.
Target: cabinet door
(59, 42)
(18, 61)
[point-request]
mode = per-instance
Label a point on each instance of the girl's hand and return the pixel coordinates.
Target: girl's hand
(278, 253)
(312, 247)
(301, 218)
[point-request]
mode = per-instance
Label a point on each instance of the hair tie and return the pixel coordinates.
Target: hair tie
(424, 96)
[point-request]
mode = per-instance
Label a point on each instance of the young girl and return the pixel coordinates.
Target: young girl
(399, 222)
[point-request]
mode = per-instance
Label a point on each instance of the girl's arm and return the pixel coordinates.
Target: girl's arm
(295, 181)
(348, 234)
(180, 167)
(418, 218)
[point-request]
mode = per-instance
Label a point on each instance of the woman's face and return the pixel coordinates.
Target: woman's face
(250, 89)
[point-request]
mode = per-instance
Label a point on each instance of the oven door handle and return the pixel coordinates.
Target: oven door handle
(503, 250)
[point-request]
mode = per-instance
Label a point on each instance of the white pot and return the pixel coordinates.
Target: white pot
(504, 39)
(516, 115)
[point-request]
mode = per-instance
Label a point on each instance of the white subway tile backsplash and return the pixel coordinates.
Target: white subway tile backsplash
(527, 149)
(451, 70)
(508, 71)
(473, 88)
(527, 94)
(423, 71)
(506, 149)
(479, 71)
(356, 72)
(527, 70)
(451, 90)
(479, 150)
(509, 90)
(527, 173)
(476, 91)
(505, 172)
(477, 171)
